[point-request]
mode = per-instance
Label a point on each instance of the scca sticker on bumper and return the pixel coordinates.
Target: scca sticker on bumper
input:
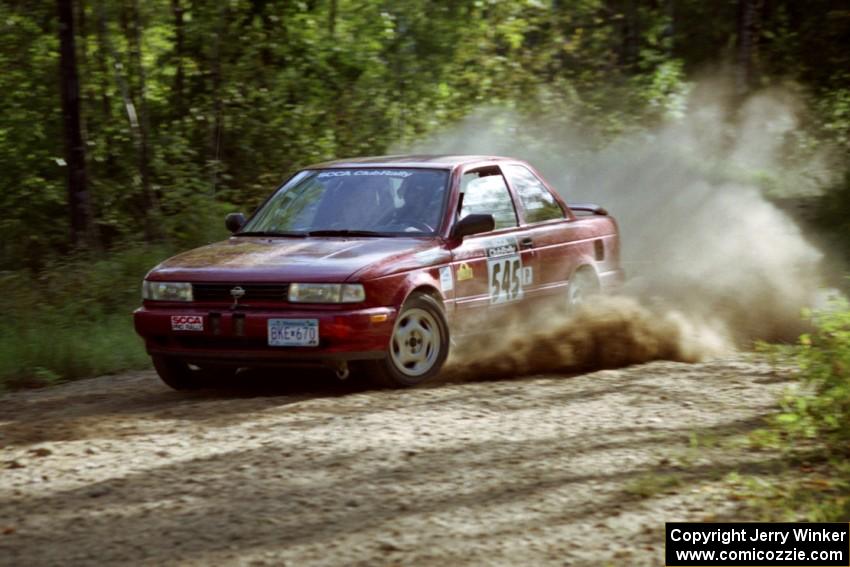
(187, 323)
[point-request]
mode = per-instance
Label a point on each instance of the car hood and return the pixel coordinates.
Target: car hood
(312, 259)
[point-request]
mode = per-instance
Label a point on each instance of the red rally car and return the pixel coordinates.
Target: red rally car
(373, 263)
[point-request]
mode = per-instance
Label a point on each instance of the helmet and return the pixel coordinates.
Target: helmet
(419, 190)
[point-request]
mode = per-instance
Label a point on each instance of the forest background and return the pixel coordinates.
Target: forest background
(129, 128)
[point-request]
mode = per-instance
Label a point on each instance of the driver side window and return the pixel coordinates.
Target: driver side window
(484, 191)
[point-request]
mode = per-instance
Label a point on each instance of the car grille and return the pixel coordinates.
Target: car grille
(253, 292)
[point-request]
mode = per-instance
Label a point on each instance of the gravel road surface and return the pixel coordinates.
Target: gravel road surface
(543, 470)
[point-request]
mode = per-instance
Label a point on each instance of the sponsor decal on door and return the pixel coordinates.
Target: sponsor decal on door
(447, 282)
(464, 272)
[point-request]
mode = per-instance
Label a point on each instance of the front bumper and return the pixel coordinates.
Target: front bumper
(241, 337)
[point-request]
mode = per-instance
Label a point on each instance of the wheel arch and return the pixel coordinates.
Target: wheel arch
(587, 270)
(426, 289)
(423, 282)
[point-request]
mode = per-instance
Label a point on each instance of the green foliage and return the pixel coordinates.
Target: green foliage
(833, 109)
(814, 425)
(651, 485)
(832, 115)
(73, 319)
(804, 491)
(233, 96)
(822, 409)
(833, 220)
(51, 349)
(229, 97)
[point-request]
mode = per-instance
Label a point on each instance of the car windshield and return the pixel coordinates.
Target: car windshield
(357, 201)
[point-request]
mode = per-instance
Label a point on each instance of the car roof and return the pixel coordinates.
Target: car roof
(433, 161)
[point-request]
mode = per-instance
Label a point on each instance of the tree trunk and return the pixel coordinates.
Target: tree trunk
(87, 85)
(332, 18)
(102, 51)
(631, 36)
(119, 78)
(259, 9)
(218, 103)
(749, 28)
(134, 38)
(671, 30)
(145, 202)
(79, 204)
(179, 40)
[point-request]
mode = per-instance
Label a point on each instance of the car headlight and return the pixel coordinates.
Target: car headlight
(326, 293)
(167, 291)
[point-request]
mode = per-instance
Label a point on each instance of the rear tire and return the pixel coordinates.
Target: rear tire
(582, 287)
(176, 373)
(418, 347)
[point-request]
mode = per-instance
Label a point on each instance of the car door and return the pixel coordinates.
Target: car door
(559, 246)
(489, 269)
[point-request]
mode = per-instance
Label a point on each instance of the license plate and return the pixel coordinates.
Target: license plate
(293, 332)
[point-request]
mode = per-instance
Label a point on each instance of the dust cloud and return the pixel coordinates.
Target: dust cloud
(712, 264)
(610, 332)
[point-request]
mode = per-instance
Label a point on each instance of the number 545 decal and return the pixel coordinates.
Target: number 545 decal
(505, 275)
(505, 272)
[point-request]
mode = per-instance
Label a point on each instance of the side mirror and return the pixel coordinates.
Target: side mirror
(234, 222)
(473, 224)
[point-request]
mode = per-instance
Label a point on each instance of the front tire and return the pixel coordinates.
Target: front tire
(176, 373)
(418, 346)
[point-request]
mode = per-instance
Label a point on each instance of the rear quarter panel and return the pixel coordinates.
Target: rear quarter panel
(565, 245)
(597, 241)
(562, 247)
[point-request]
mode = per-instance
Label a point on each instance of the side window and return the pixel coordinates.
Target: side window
(484, 192)
(538, 202)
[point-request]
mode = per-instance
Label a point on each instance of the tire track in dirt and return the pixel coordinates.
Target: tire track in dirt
(540, 470)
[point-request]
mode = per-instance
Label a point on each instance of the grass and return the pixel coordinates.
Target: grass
(820, 493)
(649, 485)
(807, 490)
(73, 318)
(813, 429)
(54, 350)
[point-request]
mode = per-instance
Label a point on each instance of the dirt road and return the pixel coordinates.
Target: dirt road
(536, 471)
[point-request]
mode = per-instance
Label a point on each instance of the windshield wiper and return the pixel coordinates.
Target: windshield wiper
(271, 233)
(347, 232)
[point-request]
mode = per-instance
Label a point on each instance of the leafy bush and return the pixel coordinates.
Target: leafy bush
(822, 410)
(814, 426)
(832, 216)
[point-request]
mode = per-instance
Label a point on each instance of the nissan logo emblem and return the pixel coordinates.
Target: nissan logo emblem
(236, 293)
